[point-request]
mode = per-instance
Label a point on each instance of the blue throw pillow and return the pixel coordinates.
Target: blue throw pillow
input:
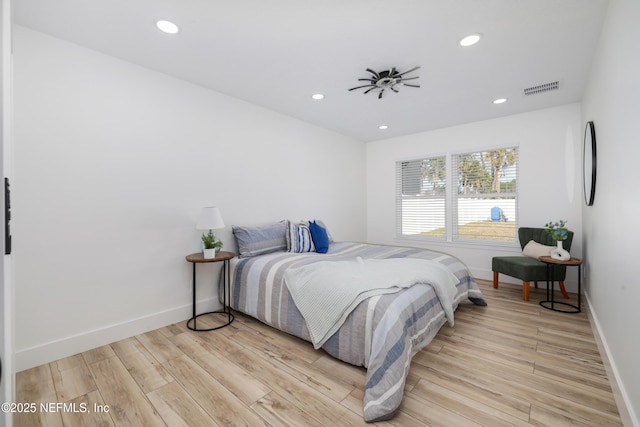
(320, 237)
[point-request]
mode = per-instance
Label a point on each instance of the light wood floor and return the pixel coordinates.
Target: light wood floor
(511, 363)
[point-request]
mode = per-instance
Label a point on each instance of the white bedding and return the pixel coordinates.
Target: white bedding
(327, 292)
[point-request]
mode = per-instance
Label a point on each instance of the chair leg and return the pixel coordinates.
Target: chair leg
(495, 280)
(525, 291)
(563, 290)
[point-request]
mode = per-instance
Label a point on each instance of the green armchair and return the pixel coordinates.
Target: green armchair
(530, 269)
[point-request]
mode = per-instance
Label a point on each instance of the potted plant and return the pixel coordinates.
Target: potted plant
(558, 232)
(210, 245)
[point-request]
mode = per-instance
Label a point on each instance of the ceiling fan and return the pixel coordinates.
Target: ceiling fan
(387, 79)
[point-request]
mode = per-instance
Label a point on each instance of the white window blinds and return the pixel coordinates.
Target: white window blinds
(421, 197)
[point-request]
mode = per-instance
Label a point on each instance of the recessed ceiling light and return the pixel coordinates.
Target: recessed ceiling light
(383, 127)
(500, 101)
(469, 40)
(167, 27)
(317, 96)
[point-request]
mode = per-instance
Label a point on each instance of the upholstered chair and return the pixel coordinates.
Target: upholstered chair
(529, 269)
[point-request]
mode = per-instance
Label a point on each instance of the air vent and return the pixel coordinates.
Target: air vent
(542, 88)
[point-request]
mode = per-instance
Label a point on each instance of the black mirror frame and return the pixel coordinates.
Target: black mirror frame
(589, 176)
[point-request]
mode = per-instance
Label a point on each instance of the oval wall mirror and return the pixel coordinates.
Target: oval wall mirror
(589, 163)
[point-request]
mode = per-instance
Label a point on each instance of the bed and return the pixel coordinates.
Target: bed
(381, 332)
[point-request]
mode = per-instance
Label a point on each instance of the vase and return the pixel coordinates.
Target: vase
(209, 253)
(559, 252)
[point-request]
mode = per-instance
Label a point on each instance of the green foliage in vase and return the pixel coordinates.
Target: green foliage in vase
(557, 230)
(210, 241)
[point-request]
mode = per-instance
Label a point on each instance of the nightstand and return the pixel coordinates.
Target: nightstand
(550, 303)
(223, 257)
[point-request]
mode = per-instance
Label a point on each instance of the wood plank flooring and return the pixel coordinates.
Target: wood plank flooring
(509, 364)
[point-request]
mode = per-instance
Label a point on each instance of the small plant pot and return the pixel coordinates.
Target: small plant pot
(209, 253)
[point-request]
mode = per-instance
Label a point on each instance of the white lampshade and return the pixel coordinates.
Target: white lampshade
(210, 219)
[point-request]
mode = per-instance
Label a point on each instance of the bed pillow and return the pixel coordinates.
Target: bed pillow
(299, 238)
(321, 224)
(535, 250)
(262, 239)
(320, 237)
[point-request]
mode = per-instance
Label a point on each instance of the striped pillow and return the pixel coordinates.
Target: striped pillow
(321, 224)
(299, 238)
(261, 240)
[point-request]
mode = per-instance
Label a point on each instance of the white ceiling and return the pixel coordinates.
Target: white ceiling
(277, 53)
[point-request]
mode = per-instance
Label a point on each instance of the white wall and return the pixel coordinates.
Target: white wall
(113, 163)
(550, 166)
(612, 101)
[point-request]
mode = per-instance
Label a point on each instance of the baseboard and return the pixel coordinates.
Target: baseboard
(54, 350)
(484, 274)
(627, 414)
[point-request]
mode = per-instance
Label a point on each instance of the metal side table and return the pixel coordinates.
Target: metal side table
(550, 303)
(223, 257)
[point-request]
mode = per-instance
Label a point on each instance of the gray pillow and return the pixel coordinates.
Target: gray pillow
(262, 239)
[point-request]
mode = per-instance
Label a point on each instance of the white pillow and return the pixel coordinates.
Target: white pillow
(535, 250)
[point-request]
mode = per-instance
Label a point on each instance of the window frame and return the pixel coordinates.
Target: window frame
(451, 207)
(400, 197)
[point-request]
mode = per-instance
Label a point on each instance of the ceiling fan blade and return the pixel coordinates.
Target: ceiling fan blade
(360, 87)
(394, 89)
(377, 76)
(369, 90)
(367, 80)
(408, 71)
(380, 95)
(407, 84)
(409, 78)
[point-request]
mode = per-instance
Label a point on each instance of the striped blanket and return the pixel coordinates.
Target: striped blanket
(319, 290)
(382, 333)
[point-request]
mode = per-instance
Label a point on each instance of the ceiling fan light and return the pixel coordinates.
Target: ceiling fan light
(317, 96)
(500, 101)
(387, 79)
(167, 27)
(469, 40)
(383, 127)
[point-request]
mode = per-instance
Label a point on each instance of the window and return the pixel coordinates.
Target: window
(421, 205)
(486, 194)
(481, 203)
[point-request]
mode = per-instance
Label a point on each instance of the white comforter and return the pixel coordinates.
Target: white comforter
(326, 292)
